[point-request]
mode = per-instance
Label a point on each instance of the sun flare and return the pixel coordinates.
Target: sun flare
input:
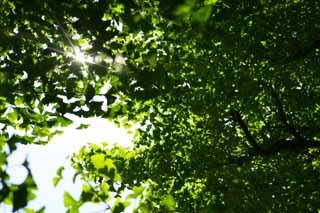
(81, 57)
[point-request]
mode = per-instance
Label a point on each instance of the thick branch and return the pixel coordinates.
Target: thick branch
(279, 146)
(237, 118)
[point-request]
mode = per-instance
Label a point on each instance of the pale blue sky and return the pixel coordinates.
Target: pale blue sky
(45, 160)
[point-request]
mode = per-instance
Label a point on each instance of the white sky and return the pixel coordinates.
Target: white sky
(45, 160)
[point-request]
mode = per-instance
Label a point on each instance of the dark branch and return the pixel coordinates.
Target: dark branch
(304, 53)
(280, 146)
(284, 119)
(237, 118)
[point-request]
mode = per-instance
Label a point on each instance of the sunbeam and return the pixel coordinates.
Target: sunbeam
(81, 57)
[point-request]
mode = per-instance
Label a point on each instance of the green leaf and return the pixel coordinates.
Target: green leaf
(56, 180)
(64, 122)
(82, 42)
(168, 202)
(60, 170)
(29, 210)
(20, 197)
(98, 161)
(12, 117)
(86, 196)
(83, 126)
(18, 101)
(3, 158)
(184, 9)
(210, 2)
(73, 210)
(202, 14)
(68, 200)
(42, 210)
(137, 191)
(118, 206)
(109, 163)
(105, 188)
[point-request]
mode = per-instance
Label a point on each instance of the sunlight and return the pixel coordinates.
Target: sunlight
(50, 157)
(81, 57)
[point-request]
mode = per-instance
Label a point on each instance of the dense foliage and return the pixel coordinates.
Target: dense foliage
(227, 95)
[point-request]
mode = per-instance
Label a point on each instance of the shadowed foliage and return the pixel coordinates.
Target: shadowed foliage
(226, 94)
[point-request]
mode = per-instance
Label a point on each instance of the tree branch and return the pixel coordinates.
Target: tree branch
(304, 53)
(279, 146)
(284, 119)
(237, 118)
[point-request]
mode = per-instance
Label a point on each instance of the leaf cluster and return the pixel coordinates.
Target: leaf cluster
(226, 94)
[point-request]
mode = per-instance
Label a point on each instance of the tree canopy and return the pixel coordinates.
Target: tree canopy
(226, 94)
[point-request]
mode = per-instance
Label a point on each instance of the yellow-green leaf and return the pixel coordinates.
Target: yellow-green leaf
(169, 202)
(98, 161)
(68, 200)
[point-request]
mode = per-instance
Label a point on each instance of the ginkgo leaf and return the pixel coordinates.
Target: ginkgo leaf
(68, 200)
(98, 160)
(169, 202)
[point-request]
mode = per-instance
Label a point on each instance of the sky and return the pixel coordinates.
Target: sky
(45, 160)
